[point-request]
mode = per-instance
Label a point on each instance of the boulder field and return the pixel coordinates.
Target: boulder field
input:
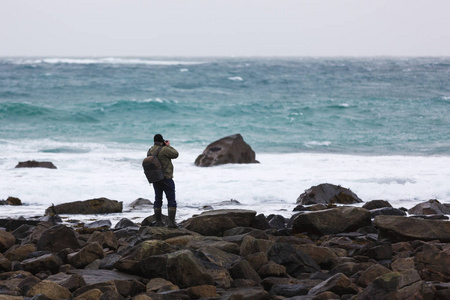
(321, 252)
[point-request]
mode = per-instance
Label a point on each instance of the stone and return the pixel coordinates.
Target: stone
(215, 242)
(107, 239)
(394, 285)
(20, 253)
(328, 194)
(124, 223)
(431, 207)
(14, 201)
(219, 221)
(376, 250)
(386, 211)
(131, 261)
(243, 270)
(272, 269)
(338, 284)
(401, 229)
(228, 150)
(7, 240)
(325, 257)
(71, 282)
(86, 255)
(403, 264)
(369, 275)
(202, 291)
(36, 164)
(57, 238)
(374, 204)
(129, 288)
(433, 263)
(104, 287)
(249, 293)
(288, 290)
(93, 294)
(156, 284)
(252, 245)
(141, 203)
(50, 289)
(332, 221)
(50, 262)
(295, 261)
(100, 224)
(92, 206)
(218, 257)
(184, 270)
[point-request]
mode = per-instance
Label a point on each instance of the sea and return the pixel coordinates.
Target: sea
(379, 126)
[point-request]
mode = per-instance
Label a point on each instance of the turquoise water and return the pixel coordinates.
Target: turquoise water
(379, 106)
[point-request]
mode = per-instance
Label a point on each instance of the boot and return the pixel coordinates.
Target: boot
(172, 211)
(158, 221)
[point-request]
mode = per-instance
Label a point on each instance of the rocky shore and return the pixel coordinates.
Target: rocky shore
(323, 251)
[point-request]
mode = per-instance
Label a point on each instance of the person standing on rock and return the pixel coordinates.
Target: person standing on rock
(167, 185)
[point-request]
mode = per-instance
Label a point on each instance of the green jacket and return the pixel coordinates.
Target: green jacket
(165, 156)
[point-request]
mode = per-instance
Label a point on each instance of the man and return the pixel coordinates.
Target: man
(167, 185)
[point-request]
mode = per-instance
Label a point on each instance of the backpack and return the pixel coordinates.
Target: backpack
(153, 168)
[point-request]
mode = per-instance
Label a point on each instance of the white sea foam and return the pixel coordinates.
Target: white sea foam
(235, 78)
(313, 144)
(114, 171)
(106, 60)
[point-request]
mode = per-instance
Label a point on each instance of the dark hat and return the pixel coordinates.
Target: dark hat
(158, 138)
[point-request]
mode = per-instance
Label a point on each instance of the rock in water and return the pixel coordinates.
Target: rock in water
(228, 150)
(36, 164)
(328, 194)
(93, 206)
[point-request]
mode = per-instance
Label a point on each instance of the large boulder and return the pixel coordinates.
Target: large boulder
(50, 289)
(7, 240)
(228, 150)
(57, 238)
(431, 207)
(328, 194)
(332, 221)
(185, 270)
(219, 221)
(402, 229)
(36, 164)
(92, 206)
(295, 261)
(86, 255)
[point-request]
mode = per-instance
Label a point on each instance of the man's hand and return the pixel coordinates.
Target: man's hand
(167, 143)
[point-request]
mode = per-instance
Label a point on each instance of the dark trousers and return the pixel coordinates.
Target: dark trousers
(167, 185)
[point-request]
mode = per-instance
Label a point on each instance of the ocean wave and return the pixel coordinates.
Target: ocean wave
(106, 60)
(236, 78)
(312, 144)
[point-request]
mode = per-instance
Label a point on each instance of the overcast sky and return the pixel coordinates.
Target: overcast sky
(224, 28)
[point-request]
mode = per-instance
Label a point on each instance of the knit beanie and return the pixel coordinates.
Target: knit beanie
(158, 138)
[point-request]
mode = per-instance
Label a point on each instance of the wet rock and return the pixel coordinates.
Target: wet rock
(228, 150)
(86, 255)
(141, 203)
(36, 164)
(20, 252)
(404, 285)
(185, 270)
(57, 238)
(272, 269)
(328, 194)
(11, 201)
(387, 211)
(339, 284)
(100, 224)
(202, 291)
(288, 290)
(49, 289)
(107, 239)
(155, 284)
(376, 250)
(131, 262)
(243, 270)
(93, 206)
(400, 229)
(7, 240)
(50, 262)
(369, 275)
(124, 223)
(431, 207)
(254, 293)
(219, 221)
(432, 262)
(325, 257)
(218, 257)
(332, 221)
(375, 204)
(71, 282)
(295, 261)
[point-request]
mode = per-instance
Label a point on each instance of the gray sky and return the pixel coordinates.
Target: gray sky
(224, 28)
